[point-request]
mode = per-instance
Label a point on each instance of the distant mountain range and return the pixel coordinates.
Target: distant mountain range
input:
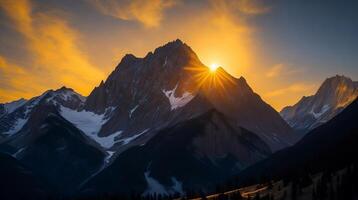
(160, 124)
(332, 97)
(329, 147)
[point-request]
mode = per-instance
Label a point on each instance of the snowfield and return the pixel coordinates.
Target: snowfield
(177, 102)
(90, 124)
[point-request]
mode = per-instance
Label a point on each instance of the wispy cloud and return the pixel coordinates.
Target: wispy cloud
(149, 13)
(52, 44)
(280, 70)
(16, 82)
(294, 88)
(246, 7)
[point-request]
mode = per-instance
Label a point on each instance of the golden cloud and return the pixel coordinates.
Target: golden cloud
(275, 71)
(149, 13)
(246, 7)
(53, 46)
(17, 82)
(297, 87)
(281, 70)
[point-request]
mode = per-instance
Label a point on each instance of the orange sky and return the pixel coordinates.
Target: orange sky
(79, 49)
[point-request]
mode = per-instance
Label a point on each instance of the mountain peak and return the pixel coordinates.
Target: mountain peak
(338, 78)
(174, 45)
(336, 84)
(64, 88)
(332, 97)
(242, 79)
(129, 57)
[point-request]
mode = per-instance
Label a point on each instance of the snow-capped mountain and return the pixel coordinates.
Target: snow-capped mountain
(144, 95)
(150, 93)
(331, 98)
(7, 108)
(134, 108)
(17, 113)
(54, 149)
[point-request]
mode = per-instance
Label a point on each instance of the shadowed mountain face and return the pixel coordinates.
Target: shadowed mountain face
(17, 182)
(196, 153)
(332, 146)
(331, 98)
(60, 155)
(53, 148)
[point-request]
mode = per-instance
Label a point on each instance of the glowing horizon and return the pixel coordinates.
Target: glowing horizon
(78, 43)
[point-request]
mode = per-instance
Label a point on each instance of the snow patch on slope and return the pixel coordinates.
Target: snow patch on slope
(177, 102)
(20, 122)
(110, 155)
(12, 106)
(154, 186)
(90, 123)
(177, 186)
(324, 109)
(129, 139)
(132, 110)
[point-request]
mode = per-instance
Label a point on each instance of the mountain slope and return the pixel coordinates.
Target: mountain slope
(17, 182)
(331, 98)
(329, 147)
(50, 146)
(196, 153)
(60, 155)
(13, 122)
(7, 108)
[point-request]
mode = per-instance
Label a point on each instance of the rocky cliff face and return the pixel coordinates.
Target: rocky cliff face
(331, 98)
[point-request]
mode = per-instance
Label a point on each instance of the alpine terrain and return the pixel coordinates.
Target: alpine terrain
(332, 97)
(164, 111)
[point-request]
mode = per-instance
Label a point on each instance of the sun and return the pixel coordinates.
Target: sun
(213, 67)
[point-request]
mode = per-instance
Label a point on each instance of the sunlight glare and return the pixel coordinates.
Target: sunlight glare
(213, 67)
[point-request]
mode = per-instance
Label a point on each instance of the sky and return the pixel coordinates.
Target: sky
(285, 49)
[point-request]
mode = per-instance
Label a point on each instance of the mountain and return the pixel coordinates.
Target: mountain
(17, 182)
(331, 98)
(329, 147)
(16, 118)
(7, 108)
(54, 149)
(70, 141)
(147, 94)
(193, 154)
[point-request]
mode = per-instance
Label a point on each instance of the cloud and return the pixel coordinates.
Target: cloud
(294, 88)
(252, 7)
(280, 70)
(52, 45)
(149, 13)
(16, 81)
(274, 71)
(243, 7)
